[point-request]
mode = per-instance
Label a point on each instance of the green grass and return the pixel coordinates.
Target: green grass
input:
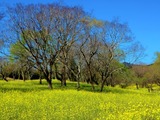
(30, 101)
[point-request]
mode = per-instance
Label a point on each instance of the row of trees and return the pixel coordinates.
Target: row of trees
(63, 42)
(147, 75)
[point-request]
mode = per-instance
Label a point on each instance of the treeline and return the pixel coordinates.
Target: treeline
(147, 75)
(57, 41)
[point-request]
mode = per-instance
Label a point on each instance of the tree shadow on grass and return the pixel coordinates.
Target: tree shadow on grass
(21, 89)
(33, 85)
(88, 88)
(21, 86)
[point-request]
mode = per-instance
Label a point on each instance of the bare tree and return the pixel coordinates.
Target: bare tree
(75, 64)
(89, 49)
(115, 38)
(46, 32)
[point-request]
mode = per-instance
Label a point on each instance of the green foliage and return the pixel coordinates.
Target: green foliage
(17, 52)
(157, 61)
(28, 100)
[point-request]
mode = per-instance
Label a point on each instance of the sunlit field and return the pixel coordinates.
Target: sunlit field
(31, 101)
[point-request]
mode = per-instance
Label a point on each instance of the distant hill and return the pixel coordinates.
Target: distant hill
(128, 64)
(131, 65)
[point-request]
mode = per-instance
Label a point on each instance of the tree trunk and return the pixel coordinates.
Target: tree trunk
(13, 76)
(78, 82)
(63, 82)
(49, 84)
(48, 79)
(102, 85)
(107, 82)
(23, 76)
(4, 77)
(112, 81)
(78, 85)
(29, 75)
(64, 76)
(150, 88)
(137, 86)
(40, 80)
(19, 75)
(90, 78)
(103, 82)
(40, 77)
(93, 88)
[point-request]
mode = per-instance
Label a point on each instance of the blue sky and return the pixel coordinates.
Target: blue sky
(142, 17)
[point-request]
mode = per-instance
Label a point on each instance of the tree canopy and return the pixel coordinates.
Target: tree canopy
(65, 42)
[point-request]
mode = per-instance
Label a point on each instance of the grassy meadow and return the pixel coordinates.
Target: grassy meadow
(31, 101)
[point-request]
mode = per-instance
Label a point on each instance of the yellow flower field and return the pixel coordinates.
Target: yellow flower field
(29, 101)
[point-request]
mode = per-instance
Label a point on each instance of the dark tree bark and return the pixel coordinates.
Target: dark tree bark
(40, 78)
(4, 78)
(137, 86)
(49, 83)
